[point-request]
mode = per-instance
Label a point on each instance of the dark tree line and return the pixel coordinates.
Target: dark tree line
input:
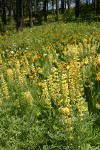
(39, 9)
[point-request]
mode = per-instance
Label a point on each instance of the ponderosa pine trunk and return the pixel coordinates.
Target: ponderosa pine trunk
(4, 20)
(44, 10)
(19, 15)
(77, 8)
(30, 14)
(68, 4)
(97, 7)
(62, 6)
(57, 10)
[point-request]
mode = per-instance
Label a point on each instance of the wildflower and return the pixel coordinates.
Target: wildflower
(45, 54)
(4, 87)
(53, 85)
(27, 95)
(74, 86)
(41, 84)
(53, 69)
(26, 62)
(65, 52)
(98, 76)
(12, 52)
(10, 73)
(16, 71)
(39, 70)
(0, 60)
(25, 71)
(32, 67)
(86, 61)
(64, 110)
(22, 80)
(85, 42)
(68, 121)
(70, 129)
(65, 90)
(45, 94)
(31, 77)
(98, 106)
(98, 60)
(17, 64)
(80, 46)
(35, 57)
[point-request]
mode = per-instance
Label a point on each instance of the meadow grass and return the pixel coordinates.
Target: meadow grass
(50, 87)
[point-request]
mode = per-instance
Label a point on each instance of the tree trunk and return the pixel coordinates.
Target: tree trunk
(36, 10)
(44, 10)
(93, 5)
(47, 7)
(19, 15)
(4, 21)
(57, 10)
(62, 6)
(65, 4)
(97, 7)
(0, 8)
(77, 8)
(30, 14)
(53, 7)
(87, 2)
(68, 4)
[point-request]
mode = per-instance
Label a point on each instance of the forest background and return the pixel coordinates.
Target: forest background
(33, 12)
(49, 75)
